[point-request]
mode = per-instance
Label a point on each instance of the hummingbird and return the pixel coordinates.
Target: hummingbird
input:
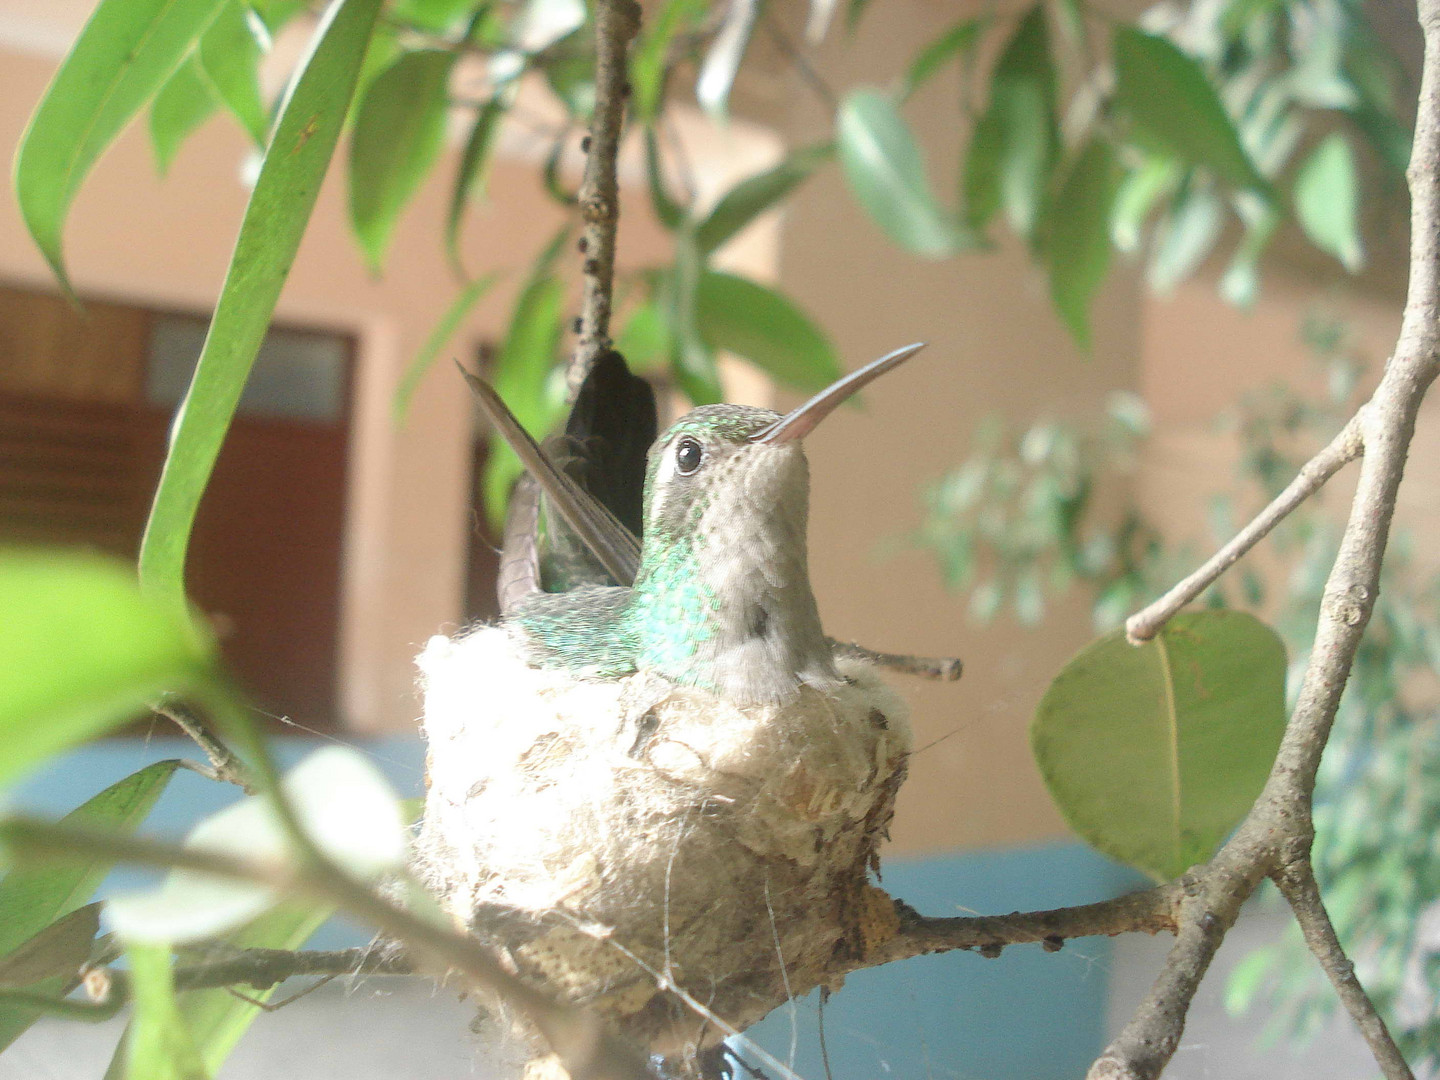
(716, 594)
(656, 771)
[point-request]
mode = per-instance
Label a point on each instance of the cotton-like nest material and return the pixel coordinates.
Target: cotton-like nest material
(598, 834)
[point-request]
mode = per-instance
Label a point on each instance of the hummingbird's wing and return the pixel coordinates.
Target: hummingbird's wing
(519, 573)
(610, 430)
(612, 543)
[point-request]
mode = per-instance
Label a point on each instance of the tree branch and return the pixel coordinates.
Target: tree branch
(919, 935)
(225, 765)
(1298, 884)
(1344, 448)
(616, 23)
(1277, 834)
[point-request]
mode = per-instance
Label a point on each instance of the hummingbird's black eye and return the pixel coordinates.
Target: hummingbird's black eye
(688, 455)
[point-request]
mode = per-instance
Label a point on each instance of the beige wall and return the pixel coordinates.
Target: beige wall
(996, 346)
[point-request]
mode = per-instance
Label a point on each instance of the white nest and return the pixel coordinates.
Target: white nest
(591, 830)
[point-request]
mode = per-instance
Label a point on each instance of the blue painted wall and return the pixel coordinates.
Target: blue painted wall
(1026, 1015)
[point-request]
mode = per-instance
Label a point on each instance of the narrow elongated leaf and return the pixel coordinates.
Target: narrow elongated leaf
(230, 59)
(958, 41)
(648, 57)
(980, 175)
(81, 650)
(722, 62)
(1241, 283)
(126, 52)
(1138, 195)
(56, 952)
(275, 219)
(159, 1045)
(30, 899)
(399, 130)
(1021, 125)
(443, 332)
(522, 369)
(745, 318)
(692, 362)
(1175, 110)
(1185, 237)
(182, 105)
(1190, 720)
(752, 196)
(471, 173)
(1327, 201)
(1079, 243)
(667, 211)
(886, 174)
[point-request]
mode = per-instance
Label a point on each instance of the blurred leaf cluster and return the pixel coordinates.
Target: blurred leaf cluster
(1036, 514)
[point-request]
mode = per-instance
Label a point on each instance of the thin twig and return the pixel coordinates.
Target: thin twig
(1297, 883)
(1344, 448)
(806, 70)
(940, 668)
(616, 23)
(225, 765)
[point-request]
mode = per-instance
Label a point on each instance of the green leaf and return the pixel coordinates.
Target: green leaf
(1021, 127)
(182, 105)
(1079, 243)
(745, 318)
(230, 56)
(644, 340)
(444, 330)
(1241, 283)
(1175, 110)
(648, 57)
(692, 362)
(752, 196)
(886, 174)
(1140, 191)
(522, 370)
(127, 51)
(274, 221)
(668, 212)
(159, 1045)
(1185, 237)
(217, 1019)
(471, 173)
(980, 176)
(399, 132)
(31, 899)
(56, 952)
(82, 650)
(1191, 720)
(1327, 201)
(436, 16)
(958, 41)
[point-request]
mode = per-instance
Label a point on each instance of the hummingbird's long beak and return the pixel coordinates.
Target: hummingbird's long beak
(800, 422)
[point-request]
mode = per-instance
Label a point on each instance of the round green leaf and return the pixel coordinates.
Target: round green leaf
(886, 173)
(1154, 754)
(81, 650)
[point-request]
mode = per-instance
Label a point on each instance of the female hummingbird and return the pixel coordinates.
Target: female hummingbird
(656, 781)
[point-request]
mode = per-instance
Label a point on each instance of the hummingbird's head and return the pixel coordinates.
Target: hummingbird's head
(722, 598)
